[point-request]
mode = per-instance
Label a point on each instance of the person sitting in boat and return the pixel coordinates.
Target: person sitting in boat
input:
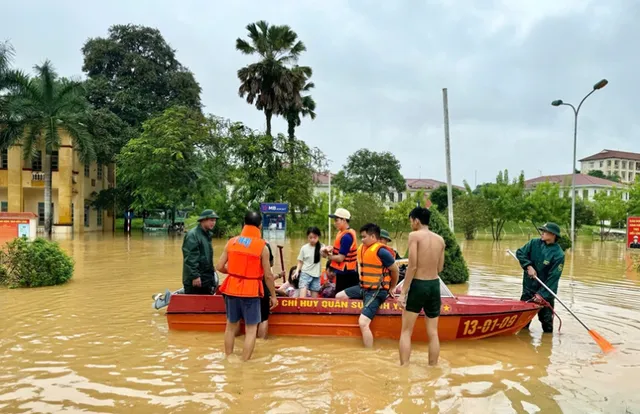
(542, 257)
(245, 261)
(291, 287)
(378, 278)
(198, 275)
(343, 253)
(328, 282)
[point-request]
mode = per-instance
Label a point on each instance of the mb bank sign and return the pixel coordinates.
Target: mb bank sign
(274, 208)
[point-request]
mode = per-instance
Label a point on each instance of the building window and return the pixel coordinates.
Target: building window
(4, 160)
(99, 217)
(99, 172)
(585, 194)
(54, 161)
(616, 164)
(392, 197)
(36, 161)
(400, 197)
(624, 165)
(87, 170)
(41, 213)
(73, 213)
(601, 164)
(591, 164)
(608, 163)
(4, 206)
(87, 214)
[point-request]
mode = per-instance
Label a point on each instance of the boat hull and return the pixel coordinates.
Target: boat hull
(461, 318)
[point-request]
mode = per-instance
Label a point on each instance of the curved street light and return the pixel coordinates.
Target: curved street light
(601, 84)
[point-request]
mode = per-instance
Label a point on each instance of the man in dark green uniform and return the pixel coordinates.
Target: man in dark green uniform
(543, 258)
(198, 276)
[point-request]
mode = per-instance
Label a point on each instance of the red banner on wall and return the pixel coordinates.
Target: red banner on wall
(633, 232)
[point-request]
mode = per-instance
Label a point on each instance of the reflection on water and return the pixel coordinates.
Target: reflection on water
(96, 345)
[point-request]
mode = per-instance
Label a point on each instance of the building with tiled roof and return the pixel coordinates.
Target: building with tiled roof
(625, 164)
(414, 185)
(586, 185)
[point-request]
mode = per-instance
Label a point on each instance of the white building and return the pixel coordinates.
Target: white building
(586, 185)
(625, 164)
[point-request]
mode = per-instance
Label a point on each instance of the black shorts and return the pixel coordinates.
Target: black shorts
(264, 307)
(424, 294)
(345, 280)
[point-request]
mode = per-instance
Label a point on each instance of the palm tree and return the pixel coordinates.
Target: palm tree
(268, 83)
(42, 108)
(299, 106)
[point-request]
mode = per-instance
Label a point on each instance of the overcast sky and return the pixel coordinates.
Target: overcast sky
(380, 66)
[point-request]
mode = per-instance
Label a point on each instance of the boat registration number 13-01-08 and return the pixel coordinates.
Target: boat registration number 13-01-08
(470, 327)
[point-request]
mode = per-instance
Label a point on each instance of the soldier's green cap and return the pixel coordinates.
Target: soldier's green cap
(552, 228)
(385, 235)
(207, 214)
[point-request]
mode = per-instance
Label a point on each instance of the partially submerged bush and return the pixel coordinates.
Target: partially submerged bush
(25, 263)
(455, 268)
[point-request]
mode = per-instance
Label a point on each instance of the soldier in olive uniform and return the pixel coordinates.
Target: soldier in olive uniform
(198, 275)
(543, 258)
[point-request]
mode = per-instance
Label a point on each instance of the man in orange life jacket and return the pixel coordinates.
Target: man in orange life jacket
(378, 278)
(245, 261)
(342, 256)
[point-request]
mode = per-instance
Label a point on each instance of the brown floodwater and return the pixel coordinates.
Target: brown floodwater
(95, 345)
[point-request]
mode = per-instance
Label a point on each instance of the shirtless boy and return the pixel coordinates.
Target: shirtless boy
(421, 288)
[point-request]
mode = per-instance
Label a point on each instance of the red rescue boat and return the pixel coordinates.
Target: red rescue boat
(461, 317)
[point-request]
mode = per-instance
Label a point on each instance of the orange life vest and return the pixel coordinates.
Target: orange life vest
(350, 261)
(373, 274)
(245, 264)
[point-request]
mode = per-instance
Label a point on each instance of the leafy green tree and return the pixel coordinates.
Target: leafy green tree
(163, 163)
(505, 201)
(270, 83)
(439, 197)
(301, 105)
(599, 174)
(546, 203)
(396, 218)
(43, 108)
(633, 205)
(609, 206)
(372, 173)
(365, 208)
(134, 73)
(455, 267)
(471, 212)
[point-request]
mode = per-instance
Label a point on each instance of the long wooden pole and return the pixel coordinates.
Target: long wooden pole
(445, 104)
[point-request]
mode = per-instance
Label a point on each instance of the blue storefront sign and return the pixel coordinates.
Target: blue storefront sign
(274, 208)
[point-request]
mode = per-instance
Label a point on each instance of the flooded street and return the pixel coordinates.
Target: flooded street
(96, 345)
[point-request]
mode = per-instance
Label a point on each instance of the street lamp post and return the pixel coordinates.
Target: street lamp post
(559, 102)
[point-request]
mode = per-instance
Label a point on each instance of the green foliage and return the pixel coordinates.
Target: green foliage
(271, 83)
(440, 197)
(396, 219)
(37, 263)
(471, 213)
(455, 267)
(633, 205)
(163, 163)
(564, 242)
(372, 173)
(611, 177)
(134, 73)
(364, 208)
(505, 201)
(546, 203)
(301, 105)
(609, 207)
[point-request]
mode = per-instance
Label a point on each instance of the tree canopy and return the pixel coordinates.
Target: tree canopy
(372, 173)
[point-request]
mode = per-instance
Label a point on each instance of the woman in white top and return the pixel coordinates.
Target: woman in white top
(309, 268)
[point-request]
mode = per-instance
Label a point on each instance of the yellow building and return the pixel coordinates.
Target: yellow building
(22, 188)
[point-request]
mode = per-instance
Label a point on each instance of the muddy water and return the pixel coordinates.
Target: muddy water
(95, 345)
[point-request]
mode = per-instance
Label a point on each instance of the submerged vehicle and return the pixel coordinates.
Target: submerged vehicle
(157, 220)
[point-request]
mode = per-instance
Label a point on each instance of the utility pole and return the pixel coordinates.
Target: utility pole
(445, 104)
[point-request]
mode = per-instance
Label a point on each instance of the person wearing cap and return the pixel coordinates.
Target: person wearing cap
(198, 276)
(343, 255)
(634, 244)
(542, 257)
(385, 239)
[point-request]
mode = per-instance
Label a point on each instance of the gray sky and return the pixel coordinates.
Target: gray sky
(380, 66)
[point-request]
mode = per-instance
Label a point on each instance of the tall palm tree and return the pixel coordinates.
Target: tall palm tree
(299, 105)
(42, 108)
(268, 83)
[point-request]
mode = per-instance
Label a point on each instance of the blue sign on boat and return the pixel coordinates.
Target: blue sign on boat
(274, 208)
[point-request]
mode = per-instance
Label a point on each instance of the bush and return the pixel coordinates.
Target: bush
(564, 243)
(25, 263)
(455, 268)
